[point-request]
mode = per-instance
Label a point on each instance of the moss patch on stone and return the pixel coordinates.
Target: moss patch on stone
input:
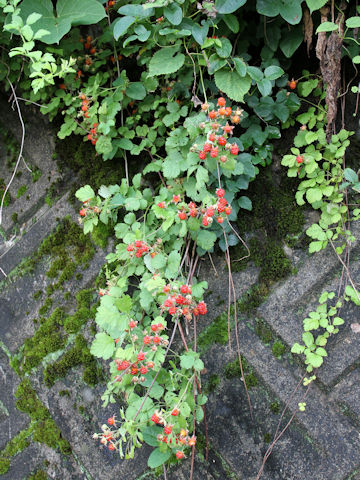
(233, 370)
(278, 349)
(216, 332)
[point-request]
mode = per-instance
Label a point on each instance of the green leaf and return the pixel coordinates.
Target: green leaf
(166, 61)
(159, 261)
(315, 4)
(327, 27)
(206, 239)
(255, 73)
(228, 6)
(240, 66)
(173, 13)
(225, 50)
(321, 351)
(338, 321)
(157, 457)
(315, 231)
(150, 435)
(68, 12)
(350, 175)
(308, 339)
(230, 82)
(124, 304)
(245, 202)
(315, 360)
(290, 10)
(313, 195)
(200, 33)
(291, 41)
(233, 23)
(104, 145)
(297, 348)
(173, 264)
(311, 324)
(103, 346)
(121, 25)
(273, 72)
(265, 87)
(136, 91)
(353, 22)
(315, 246)
(85, 193)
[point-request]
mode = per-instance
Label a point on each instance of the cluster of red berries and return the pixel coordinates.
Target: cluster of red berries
(139, 248)
(92, 136)
(86, 209)
(169, 436)
(107, 435)
(181, 304)
(140, 366)
(220, 210)
(217, 145)
(84, 105)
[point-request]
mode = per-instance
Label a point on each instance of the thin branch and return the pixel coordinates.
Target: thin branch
(21, 146)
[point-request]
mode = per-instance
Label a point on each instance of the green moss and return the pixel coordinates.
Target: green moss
(263, 331)
(46, 306)
(267, 437)
(43, 427)
(37, 295)
(84, 298)
(278, 349)
(101, 234)
(212, 383)
(7, 199)
(251, 380)
(55, 268)
(216, 332)
(275, 407)
(78, 276)
(21, 191)
(67, 296)
(273, 261)
(36, 173)
(4, 465)
(232, 369)
(14, 217)
(64, 393)
(79, 354)
(253, 298)
(48, 432)
(73, 323)
(47, 339)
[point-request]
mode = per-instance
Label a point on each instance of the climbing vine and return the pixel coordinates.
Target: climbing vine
(181, 89)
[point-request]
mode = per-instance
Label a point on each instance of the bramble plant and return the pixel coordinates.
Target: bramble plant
(128, 79)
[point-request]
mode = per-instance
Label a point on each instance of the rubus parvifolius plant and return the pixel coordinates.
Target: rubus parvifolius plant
(152, 291)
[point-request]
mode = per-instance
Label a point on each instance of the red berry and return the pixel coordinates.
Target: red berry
(156, 339)
(210, 211)
(161, 204)
(222, 201)
(299, 159)
(195, 312)
(130, 247)
(205, 221)
(228, 111)
(219, 219)
(155, 418)
(222, 141)
(212, 114)
(84, 108)
(182, 215)
(211, 139)
(175, 412)
(214, 153)
(138, 243)
(192, 441)
(111, 447)
(221, 111)
(179, 454)
(150, 364)
(220, 192)
(140, 356)
(111, 420)
(207, 148)
(143, 370)
(172, 310)
(292, 84)
(168, 303)
(184, 289)
(168, 429)
(223, 158)
(221, 102)
(234, 149)
(132, 324)
(235, 119)
(147, 340)
(202, 155)
(82, 212)
(227, 210)
(154, 328)
(176, 198)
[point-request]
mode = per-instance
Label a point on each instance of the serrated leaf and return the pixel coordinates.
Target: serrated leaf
(173, 264)
(103, 346)
(85, 193)
(232, 84)
(206, 239)
(297, 348)
(166, 61)
(273, 72)
(308, 339)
